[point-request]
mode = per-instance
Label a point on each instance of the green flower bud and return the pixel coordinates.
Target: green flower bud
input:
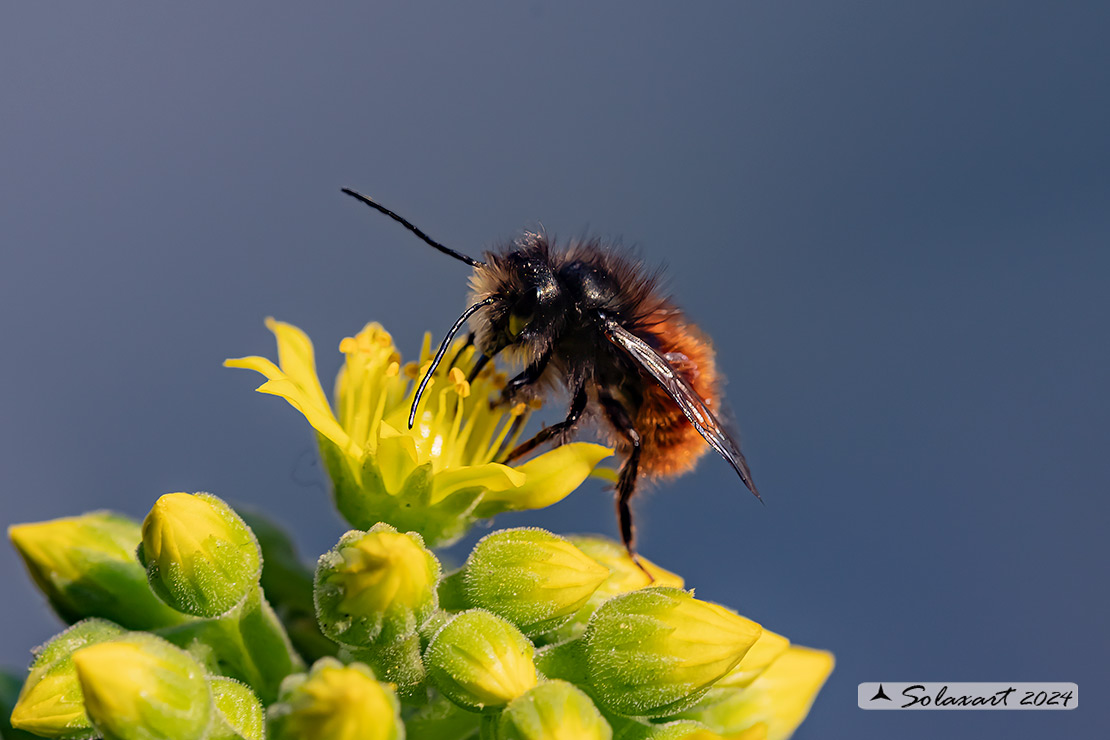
(683, 729)
(533, 578)
(336, 702)
(553, 710)
(51, 703)
(777, 700)
(624, 576)
(376, 586)
(763, 653)
(240, 711)
(200, 557)
(480, 661)
(140, 687)
(86, 566)
(656, 651)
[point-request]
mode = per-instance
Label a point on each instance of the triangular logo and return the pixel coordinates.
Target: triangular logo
(880, 694)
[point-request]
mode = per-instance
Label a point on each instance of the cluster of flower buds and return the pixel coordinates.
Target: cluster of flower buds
(172, 635)
(536, 637)
(195, 625)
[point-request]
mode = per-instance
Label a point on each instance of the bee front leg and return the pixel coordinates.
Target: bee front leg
(577, 406)
(621, 420)
(526, 378)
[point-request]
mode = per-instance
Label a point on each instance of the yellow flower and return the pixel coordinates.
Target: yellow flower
(438, 477)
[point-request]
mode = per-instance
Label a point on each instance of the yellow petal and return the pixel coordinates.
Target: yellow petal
(280, 384)
(552, 476)
(321, 419)
(297, 359)
(396, 457)
(491, 476)
(258, 364)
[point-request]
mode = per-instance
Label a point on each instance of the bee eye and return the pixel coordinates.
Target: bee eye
(523, 313)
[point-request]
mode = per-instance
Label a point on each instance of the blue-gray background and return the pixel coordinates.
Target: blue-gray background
(893, 220)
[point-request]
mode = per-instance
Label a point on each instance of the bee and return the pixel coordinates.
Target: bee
(592, 320)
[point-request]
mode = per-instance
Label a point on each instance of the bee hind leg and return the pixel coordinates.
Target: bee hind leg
(577, 406)
(618, 416)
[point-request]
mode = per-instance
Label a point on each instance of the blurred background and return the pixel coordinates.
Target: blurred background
(894, 220)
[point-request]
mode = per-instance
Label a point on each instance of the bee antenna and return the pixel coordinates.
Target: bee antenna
(441, 352)
(409, 225)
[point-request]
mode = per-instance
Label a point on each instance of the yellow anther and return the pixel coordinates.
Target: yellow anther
(462, 387)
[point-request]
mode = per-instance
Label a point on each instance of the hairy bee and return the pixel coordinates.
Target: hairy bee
(594, 321)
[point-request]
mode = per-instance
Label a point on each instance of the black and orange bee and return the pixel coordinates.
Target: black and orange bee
(595, 321)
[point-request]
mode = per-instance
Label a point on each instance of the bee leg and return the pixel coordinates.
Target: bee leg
(526, 378)
(514, 430)
(626, 484)
(479, 363)
(577, 406)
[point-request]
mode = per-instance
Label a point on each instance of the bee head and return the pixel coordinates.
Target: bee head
(528, 308)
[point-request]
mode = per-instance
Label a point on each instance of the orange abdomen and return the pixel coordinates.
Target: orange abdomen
(670, 445)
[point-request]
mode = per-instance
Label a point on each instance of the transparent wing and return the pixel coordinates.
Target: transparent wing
(692, 405)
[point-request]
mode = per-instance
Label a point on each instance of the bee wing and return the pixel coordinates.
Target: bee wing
(692, 405)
